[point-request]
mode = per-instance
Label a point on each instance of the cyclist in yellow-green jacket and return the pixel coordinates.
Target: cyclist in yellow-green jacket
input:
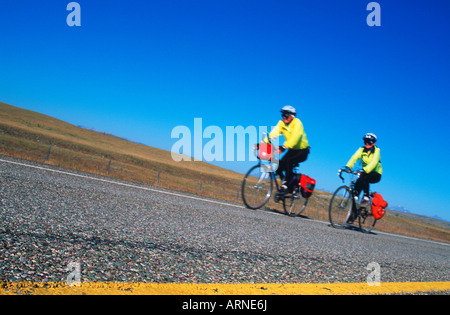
(371, 172)
(296, 143)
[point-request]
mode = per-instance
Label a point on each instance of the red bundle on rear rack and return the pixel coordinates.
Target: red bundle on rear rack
(307, 185)
(378, 206)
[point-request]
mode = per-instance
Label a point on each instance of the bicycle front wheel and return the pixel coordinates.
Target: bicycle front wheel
(294, 204)
(341, 207)
(257, 187)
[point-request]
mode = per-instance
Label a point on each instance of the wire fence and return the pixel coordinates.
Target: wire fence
(134, 170)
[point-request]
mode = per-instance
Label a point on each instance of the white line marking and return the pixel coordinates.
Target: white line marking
(195, 198)
(122, 184)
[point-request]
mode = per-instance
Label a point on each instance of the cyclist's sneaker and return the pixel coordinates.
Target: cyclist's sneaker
(356, 201)
(365, 201)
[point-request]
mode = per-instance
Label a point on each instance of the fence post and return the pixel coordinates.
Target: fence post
(48, 153)
(237, 195)
(201, 186)
(109, 165)
(157, 179)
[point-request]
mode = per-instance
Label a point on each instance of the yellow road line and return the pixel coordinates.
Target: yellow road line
(112, 288)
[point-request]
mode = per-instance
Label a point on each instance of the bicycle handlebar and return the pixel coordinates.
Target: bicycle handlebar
(356, 173)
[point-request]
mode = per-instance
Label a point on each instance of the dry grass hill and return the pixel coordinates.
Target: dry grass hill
(29, 135)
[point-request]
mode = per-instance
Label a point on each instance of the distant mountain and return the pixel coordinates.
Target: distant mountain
(399, 208)
(439, 218)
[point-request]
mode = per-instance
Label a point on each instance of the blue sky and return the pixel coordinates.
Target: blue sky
(138, 69)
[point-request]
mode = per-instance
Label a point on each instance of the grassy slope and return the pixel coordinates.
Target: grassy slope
(29, 135)
(46, 130)
(26, 134)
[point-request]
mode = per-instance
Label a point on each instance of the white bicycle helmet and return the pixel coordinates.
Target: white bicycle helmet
(370, 138)
(288, 109)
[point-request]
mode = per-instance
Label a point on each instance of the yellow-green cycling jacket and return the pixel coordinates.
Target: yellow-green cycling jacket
(294, 134)
(371, 159)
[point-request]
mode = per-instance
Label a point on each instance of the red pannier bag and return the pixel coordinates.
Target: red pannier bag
(378, 206)
(265, 151)
(307, 185)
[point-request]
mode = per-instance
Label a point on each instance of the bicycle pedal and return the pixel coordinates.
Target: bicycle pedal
(279, 196)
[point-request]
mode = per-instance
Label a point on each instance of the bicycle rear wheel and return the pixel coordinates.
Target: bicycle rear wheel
(340, 207)
(294, 204)
(366, 220)
(257, 187)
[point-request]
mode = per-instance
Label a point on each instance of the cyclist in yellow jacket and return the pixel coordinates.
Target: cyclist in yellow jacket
(296, 143)
(371, 172)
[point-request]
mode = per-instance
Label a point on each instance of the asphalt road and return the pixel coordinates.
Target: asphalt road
(126, 232)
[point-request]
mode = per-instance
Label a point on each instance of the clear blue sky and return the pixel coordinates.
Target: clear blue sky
(137, 69)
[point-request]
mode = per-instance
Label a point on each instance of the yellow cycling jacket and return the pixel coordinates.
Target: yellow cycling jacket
(294, 134)
(371, 161)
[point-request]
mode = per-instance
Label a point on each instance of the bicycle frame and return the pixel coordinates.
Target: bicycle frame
(264, 176)
(355, 177)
